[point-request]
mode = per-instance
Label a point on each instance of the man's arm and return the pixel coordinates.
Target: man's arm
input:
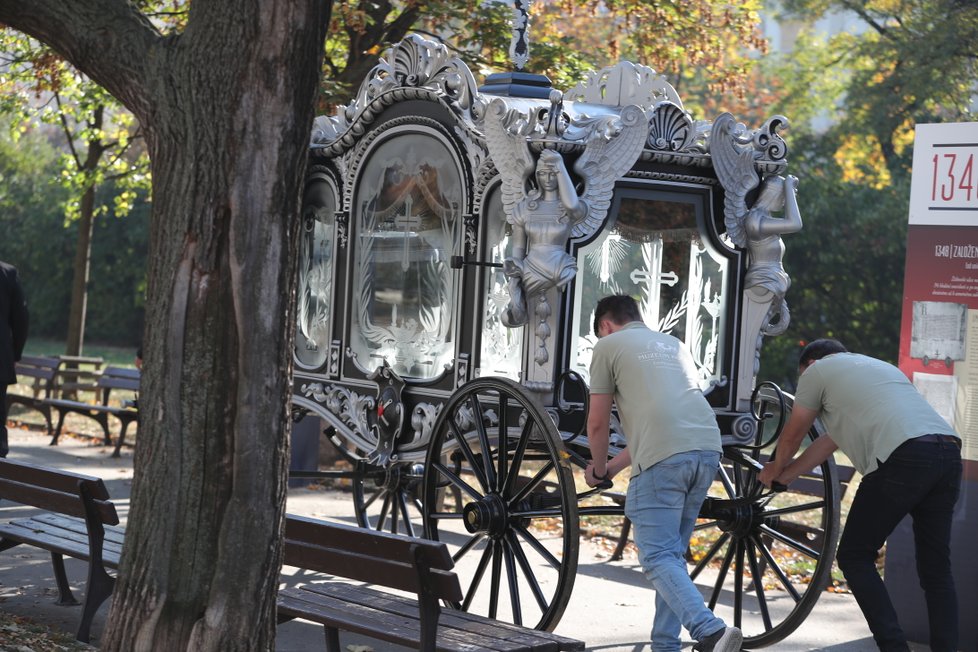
(816, 453)
(598, 420)
(801, 421)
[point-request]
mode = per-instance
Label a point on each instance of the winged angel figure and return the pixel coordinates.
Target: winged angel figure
(755, 228)
(539, 198)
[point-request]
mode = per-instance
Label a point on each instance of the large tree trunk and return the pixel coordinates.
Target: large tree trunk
(79, 277)
(227, 110)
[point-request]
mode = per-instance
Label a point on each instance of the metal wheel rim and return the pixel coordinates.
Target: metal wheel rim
(505, 551)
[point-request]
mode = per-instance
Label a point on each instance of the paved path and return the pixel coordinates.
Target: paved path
(610, 607)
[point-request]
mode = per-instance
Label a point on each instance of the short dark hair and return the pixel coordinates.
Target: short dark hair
(619, 308)
(818, 349)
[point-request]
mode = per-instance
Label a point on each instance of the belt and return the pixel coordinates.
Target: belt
(939, 439)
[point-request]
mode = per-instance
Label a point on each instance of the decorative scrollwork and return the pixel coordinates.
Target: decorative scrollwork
(349, 406)
(671, 128)
(423, 419)
(414, 63)
(623, 84)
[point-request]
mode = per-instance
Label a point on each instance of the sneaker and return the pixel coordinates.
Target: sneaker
(727, 639)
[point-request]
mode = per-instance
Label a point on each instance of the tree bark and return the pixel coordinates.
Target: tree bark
(227, 111)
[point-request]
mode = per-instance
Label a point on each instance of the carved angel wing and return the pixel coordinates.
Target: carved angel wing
(734, 166)
(510, 154)
(605, 159)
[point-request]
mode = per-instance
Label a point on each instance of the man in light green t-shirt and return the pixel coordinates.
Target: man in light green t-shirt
(911, 464)
(673, 451)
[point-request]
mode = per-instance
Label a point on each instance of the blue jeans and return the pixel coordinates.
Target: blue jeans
(921, 479)
(663, 502)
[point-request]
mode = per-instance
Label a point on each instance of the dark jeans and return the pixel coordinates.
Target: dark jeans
(4, 447)
(921, 479)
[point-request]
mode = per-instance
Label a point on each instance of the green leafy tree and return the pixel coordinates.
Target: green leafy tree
(902, 63)
(226, 106)
(101, 146)
(707, 45)
(912, 62)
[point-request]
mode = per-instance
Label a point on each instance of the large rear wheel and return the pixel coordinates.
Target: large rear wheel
(514, 533)
(762, 559)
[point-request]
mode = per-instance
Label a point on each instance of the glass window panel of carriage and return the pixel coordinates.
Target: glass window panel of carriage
(407, 226)
(315, 286)
(502, 347)
(656, 253)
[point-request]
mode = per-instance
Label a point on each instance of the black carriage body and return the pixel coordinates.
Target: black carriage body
(401, 181)
(402, 346)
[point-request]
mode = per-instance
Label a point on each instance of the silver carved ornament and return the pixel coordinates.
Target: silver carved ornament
(415, 68)
(540, 200)
(739, 160)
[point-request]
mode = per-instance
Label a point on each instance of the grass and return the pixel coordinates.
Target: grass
(114, 356)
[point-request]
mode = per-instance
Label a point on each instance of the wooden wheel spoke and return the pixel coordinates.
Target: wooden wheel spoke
(755, 571)
(788, 541)
(518, 455)
(495, 576)
(503, 445)
(532, 484)
(480, 571)
(463, 445)
(710, 554)
(722, 575)
(776, 569)
(794, 509)
(480, 427)
(457, 481)
(513, 580)
(531, 578)
(405, 516)
(738, 607)
(539, 547)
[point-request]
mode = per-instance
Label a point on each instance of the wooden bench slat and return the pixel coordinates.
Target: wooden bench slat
(372, 542)
(369, 568)
(60, 501)
(57, 540)
(361, 619)
(393, 562)
(73, 525)
(501, 632)
(114, 534)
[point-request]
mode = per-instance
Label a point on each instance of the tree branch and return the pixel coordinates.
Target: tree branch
(108, 40)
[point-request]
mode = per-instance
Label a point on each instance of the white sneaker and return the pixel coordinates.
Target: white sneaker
(725, 640)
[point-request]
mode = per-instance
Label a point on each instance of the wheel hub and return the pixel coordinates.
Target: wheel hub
(736, 517)
(487, 515)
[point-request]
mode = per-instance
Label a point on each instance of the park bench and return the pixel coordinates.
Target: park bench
(112, 378)
(77, 520)
(77, 374)
(42, 372)
(416, 566)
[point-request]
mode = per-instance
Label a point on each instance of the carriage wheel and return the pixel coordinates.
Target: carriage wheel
(514, 534)
(388, 499)
(763, 559)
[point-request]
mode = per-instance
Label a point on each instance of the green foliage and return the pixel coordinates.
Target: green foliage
(702, 44)
(846, 265)
(36, 240)
(914, 62)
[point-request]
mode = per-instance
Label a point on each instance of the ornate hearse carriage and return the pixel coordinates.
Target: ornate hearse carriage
(455, 239)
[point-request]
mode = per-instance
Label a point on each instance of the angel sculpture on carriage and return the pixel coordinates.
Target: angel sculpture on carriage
(456, 239)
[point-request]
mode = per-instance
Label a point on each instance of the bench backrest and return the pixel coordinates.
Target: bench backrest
(78, 374)
(41, 369)
(118, 378)
(55, 490)
(370, 556)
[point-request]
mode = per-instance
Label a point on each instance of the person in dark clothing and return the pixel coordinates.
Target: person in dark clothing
(13, 336)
